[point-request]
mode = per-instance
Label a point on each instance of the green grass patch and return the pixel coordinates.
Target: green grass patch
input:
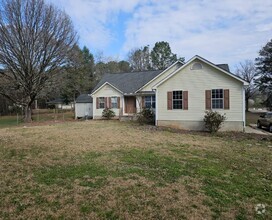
(85, 172)
(226, 181)
(8, 121)
(229, 181)
(151, 165)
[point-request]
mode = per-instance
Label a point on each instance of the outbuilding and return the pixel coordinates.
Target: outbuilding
(84, 106)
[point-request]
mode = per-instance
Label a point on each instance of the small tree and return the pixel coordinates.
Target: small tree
(146, 116)
(213, 121)
(139, 59)
(108, 113)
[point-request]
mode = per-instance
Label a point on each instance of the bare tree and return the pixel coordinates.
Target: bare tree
(36, 39)
(139, 59)
(247, 71)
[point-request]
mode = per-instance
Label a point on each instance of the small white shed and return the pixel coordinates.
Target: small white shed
(84, 106)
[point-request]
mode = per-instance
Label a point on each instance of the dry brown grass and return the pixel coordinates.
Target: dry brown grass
(119, 186)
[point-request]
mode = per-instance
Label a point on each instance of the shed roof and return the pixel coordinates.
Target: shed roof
(84, 98)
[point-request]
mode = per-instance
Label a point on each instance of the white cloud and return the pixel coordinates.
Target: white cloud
(92, 18)
(221, 31)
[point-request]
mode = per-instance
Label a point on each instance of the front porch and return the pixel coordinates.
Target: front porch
(134, 103)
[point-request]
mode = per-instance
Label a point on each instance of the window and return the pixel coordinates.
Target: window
(114, 102)
(217, 99)
(197, 66)
(177, 99)
(101, 102)
(150, 101)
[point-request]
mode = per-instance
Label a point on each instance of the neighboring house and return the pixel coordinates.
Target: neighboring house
(84, 106)
(59, 103)
(180, 95)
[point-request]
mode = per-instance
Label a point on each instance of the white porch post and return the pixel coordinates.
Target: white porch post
(156, 106)
(123, 107)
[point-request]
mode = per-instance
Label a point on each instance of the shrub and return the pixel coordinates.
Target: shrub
(213, 121)
(108, 113)
(146, 116)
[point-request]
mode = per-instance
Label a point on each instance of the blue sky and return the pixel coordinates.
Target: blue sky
(225, 31)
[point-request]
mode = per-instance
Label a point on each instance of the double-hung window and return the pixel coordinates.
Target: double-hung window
(114, 102)
(177, 99)
(150, 101)
(217, 99)
(101, 102)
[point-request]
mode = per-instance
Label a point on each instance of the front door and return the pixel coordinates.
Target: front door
(130, 104)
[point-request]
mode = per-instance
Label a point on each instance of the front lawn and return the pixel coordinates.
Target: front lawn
(113, 170)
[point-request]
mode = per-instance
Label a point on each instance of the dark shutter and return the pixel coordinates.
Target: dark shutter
(118, 102)
(143, 101)
(169, 100)
(208, 97)
(226, 99)
(185, 100)
(97, 102)
(109, 100)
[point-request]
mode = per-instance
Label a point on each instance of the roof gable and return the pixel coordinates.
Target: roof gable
(221, 67)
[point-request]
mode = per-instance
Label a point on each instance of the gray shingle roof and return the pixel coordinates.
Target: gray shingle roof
(128, 82)
(224, 67)
(84, 98)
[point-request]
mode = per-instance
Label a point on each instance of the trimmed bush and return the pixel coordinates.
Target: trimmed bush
(146, 116)
(213, 121)
(108, 113)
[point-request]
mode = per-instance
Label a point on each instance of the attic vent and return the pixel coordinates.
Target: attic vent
(197, 66)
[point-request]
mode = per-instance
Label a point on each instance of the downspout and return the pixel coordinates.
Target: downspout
(244, 109)
(156, 106)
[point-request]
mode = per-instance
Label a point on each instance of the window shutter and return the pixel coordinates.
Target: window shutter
(97, 103)
(109, 100)
(118, 102)
(143, 101)
(208, 97)
(226, 99)
(169, 100)
(185, 100)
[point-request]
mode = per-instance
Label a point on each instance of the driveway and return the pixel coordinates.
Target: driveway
(252, 128)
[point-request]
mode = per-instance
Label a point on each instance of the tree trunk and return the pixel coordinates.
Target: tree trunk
(27, 118)
(247, 100)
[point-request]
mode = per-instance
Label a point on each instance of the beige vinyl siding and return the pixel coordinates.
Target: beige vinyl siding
(106, 91)
(149, 86)
(196, 82)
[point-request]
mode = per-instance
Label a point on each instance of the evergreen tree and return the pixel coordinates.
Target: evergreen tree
(162, 56)
(264, 68)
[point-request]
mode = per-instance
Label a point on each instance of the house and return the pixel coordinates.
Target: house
(60, 103)
(84, 106)
(180, 94)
